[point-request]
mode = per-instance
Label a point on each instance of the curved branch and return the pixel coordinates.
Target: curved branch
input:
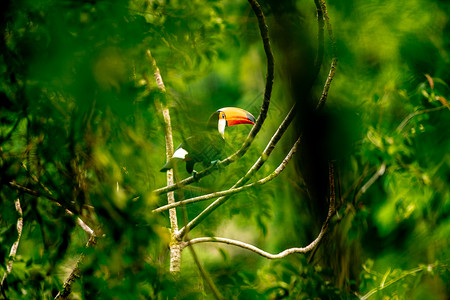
(416, 113)
(264, 31)
(261, 117)
(231, 191)
(256, 249)
(311, 246)
(320, 39)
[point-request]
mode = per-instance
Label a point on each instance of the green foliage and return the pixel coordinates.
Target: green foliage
(80, 131)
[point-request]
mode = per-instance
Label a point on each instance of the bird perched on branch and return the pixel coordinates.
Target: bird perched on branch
(207, 146)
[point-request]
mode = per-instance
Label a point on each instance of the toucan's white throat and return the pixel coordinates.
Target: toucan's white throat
(221, 127)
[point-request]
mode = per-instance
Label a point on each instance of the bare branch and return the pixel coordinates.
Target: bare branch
(286, 252)
(334, 59)
(175, 249)
(15, 245)
(261, 117)
(416, 113)
(394, 280)
(371, 181)
(29, 191)
(331, 180)
(231, 191)
(75, 272)
(255, 249)
(156, 72)
(205, 275)
(13, 184)
(320, 39)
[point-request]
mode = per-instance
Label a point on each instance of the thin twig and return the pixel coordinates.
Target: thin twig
(261, 117)
(75, 272)
(231, 191)
(394, 280)
(332, 209)
(67, 287)
(15, 245)
(80, 222)
(206, 277)
(13, 184)
(334, 59)
(371, 181)
(29, 191)
(416, 113)
(320, 39)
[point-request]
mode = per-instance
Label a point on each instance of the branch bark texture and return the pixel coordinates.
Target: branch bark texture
(175, 248)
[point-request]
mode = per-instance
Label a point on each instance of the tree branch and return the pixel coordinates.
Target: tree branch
(320, 39)
(261, 117)
(92, 236)
(371, 181)
(255, 249)
(175, 249)
(416, 113)
(231, 191)
(29, 191)
(334, 59)
(394, 280)
(268, 88)
(311, 246)
(67, 287)
(15, 245)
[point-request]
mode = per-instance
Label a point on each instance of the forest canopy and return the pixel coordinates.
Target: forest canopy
(338, 188)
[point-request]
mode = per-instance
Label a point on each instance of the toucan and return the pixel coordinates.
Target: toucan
(206, 146)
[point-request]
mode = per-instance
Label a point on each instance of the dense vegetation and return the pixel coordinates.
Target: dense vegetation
(82, 137)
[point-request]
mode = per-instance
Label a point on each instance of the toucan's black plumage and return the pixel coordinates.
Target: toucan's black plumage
(207, 146)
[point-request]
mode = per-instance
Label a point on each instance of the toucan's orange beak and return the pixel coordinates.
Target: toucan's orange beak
(235, 116)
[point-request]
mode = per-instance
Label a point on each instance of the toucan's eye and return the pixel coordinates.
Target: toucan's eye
(222, 116)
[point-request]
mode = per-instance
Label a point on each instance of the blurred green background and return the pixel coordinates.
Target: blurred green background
(78, 120)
